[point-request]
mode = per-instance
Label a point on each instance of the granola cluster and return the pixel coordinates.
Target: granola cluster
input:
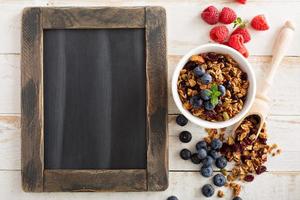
(247, 152)
(212, 86)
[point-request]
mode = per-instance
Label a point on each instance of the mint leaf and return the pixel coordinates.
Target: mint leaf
(214, 88)
(238, 22)
(217, 93)
(214, 100)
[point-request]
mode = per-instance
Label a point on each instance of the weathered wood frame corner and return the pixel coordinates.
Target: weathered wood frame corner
(37, 179)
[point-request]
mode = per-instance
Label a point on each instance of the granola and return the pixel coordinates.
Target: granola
(212, 86)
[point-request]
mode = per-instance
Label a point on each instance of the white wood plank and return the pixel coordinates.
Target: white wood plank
(185, 185)
(283, 130)
(10, 83)
(285, 93)
(185, 29)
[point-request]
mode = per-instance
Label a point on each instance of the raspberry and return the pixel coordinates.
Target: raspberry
(210, 15)
(244, 32)
(219, 33)
(259, 23)
(227, 16)
(236, 41)
(242, 1)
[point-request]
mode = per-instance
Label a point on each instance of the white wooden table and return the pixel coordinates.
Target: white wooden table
(185, 31)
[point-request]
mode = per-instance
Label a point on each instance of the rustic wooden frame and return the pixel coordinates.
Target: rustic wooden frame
(34, 177)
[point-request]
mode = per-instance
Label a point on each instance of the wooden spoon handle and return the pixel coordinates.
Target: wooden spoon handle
(279, 49)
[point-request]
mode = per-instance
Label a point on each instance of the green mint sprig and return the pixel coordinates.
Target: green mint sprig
(214, 94)
(238, 22)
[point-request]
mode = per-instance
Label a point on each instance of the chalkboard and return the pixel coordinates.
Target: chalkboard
(94, 99)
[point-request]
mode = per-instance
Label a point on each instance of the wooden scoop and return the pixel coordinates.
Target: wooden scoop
(261, 105)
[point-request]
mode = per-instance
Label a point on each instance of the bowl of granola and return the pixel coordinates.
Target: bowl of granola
(213, 86)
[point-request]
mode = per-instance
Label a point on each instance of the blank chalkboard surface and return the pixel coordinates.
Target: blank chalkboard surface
(94, 99)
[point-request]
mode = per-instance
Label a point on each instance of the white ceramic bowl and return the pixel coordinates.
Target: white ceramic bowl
(244, 65)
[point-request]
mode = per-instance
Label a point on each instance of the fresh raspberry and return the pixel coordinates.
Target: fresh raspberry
(219, 33)
(237, 42)
(259, 23)
(210, 15)
(242, 1)
(244, 32)
(227, 16)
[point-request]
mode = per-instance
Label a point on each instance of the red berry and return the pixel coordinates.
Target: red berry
(244, 32)
(210, 15)
(242, 1)
(219, 33)
(227, 16)
(237, 42)
(259, 23)
(249, 178)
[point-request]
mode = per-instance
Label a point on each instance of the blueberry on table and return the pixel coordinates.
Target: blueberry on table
(172, 198)
(208, 161)
(206, 78)
(208, 105)
(181, 120)
(205, 94)
(199, 71)
(219, 180)
(208, 190)
(221, 162)
(195, 159)
(185, 136)
(185, 154)
(222, 89)
(202, 153)
(216, 144)
(237, 198)
(206, 171)
(214, 154)
(201, 145)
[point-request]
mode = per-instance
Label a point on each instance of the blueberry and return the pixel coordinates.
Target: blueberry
(196, 101)
(172, 198)
(205, 94)
(221, 162)
(185, 136)
(216, 144)
(206, 78)
(199, 71)
(201, 145)
(208, 190)
(214, 154)
(195, 159)
(207, 161)
(208, 105)
(206, 171)
(237, 198)
(222, 89)
(202, 153)
(185, 154)
(219, 180)
(181, 120)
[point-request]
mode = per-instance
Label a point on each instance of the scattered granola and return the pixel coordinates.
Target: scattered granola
(212, 86)
(220, 194)
(248, 153)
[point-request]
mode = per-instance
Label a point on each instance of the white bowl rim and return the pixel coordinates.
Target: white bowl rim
(244, 64)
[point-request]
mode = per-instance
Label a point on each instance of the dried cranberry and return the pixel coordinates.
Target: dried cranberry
(247, 141)
(210, 114)
(236, 147)
(262, 140)
(212, 56)
(244, 76)
(227, 84)
(190, 65)
(225, 148)
(249, 178)
(261, 169)
(244, 158)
